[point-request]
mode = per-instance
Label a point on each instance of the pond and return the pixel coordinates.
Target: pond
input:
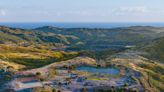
(107, 70)
(31, 81)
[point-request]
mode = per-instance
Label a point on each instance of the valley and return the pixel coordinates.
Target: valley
(51, 59)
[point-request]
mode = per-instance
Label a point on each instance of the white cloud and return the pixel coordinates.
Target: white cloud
(68, 13)
(134, 9)
(2, 12)
(82, 13)
(131, 10)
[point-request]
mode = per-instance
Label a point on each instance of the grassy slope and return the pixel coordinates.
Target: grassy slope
(154, 49)
(21, 36)
(101, 36)
(78, 38)
(152, 73)
(32, 57)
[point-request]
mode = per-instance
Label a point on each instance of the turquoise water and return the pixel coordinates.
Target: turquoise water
(98, 70)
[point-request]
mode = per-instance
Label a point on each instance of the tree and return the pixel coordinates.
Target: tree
(54, 90)
(125, 88)
(7, 77)
(65, 66)
(38, 74)
(40, 78)
(72, 67)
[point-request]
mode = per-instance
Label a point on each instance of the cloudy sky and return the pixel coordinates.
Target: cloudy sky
(81, 10)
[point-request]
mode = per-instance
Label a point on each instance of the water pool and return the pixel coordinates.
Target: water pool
(107, 70)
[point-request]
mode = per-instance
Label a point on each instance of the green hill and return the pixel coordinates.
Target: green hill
(80, 38)
(103, 38)
(32, 57)
(154, 49)
(22, 36)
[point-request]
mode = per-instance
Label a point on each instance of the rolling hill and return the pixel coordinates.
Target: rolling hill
(30, 37)
(41, 49)
(80, 38)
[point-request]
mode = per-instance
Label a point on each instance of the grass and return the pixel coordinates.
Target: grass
(14, 65)
(152, 73)
(96, 79)
(32, 57)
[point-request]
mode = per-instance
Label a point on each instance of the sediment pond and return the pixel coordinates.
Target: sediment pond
(107, 70)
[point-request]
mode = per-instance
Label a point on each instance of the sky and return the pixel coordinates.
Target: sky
(81, 10)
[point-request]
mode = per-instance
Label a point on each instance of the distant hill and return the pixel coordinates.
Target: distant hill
(104, 37)
(81, 38)
(22, 36)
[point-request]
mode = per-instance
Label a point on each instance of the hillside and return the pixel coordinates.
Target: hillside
(97, 39)
(31, 37)
(30, 57)
(59, 56)
(100, 41)
(79, 38)
(152, 72)
(101, 37)
(154, 49)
